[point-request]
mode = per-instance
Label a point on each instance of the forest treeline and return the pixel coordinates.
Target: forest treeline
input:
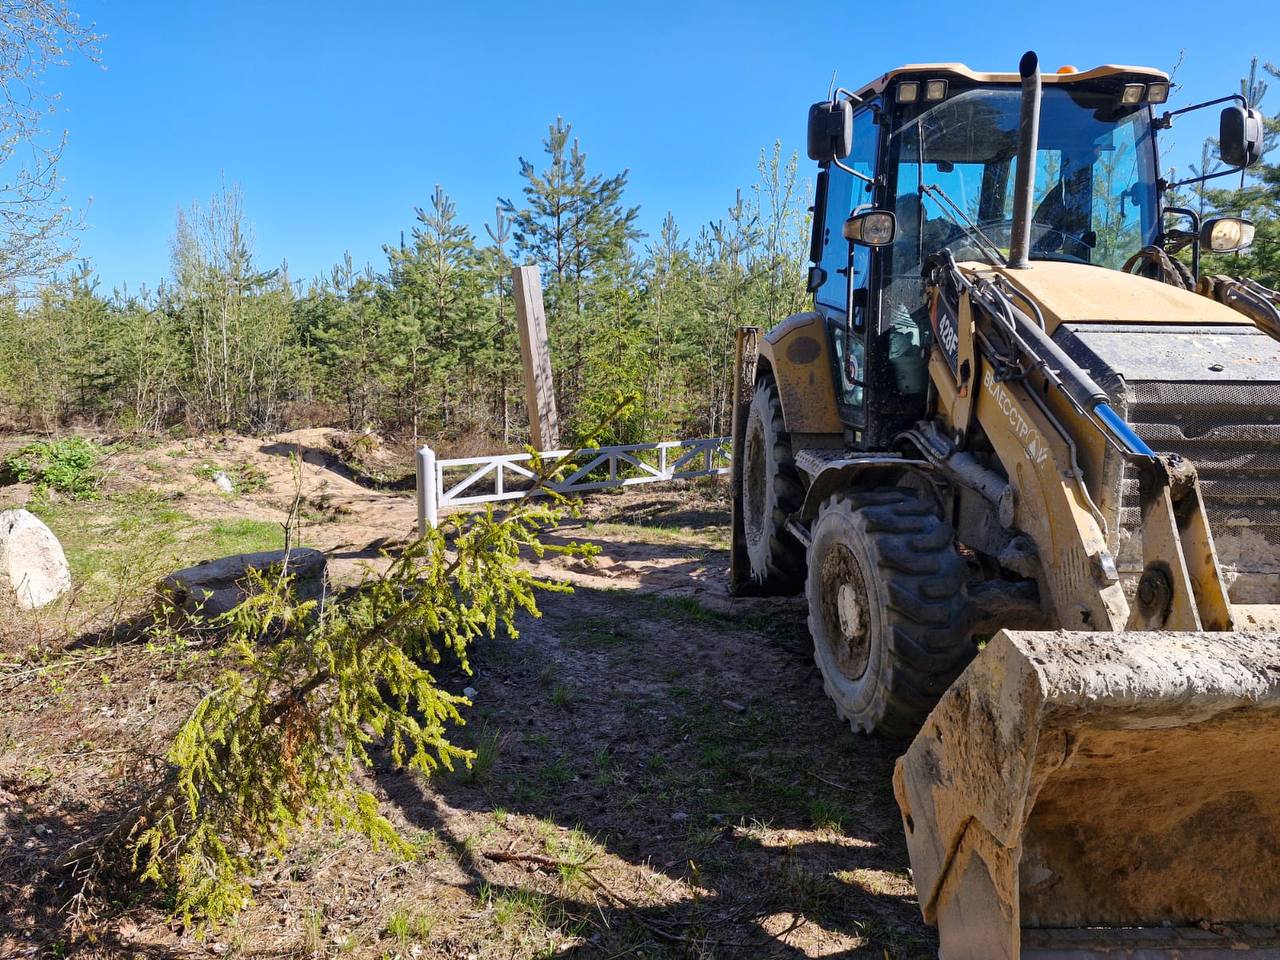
(425, 345)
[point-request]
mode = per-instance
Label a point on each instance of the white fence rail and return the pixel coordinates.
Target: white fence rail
(509, 476)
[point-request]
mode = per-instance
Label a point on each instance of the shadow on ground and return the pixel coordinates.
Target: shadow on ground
(723, 801)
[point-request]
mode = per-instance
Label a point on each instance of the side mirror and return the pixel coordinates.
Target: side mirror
(1240, 136)
(830, 130)
(871, 228)
(1226, 234)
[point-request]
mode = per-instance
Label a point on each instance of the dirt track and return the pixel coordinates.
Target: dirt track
(674, 739)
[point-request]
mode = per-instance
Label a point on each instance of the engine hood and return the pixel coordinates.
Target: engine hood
(1080, 293)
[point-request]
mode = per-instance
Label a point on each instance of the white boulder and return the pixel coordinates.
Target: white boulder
(33, 568)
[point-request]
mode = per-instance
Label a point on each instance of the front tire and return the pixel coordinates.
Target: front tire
(771, 492)
(887, 608)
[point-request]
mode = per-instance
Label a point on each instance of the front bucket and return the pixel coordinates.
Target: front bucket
(1080, 795)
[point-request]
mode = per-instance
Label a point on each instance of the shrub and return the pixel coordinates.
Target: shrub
(280, 740)
(67, 466)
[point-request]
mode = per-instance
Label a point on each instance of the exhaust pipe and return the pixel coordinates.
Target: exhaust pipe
(1025, 182)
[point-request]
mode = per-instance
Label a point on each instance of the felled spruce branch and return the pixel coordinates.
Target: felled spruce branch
(279, 740)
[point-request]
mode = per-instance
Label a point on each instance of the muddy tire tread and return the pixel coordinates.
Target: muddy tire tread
(921, 585)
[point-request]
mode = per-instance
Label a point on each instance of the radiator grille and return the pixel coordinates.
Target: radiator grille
(1231, 432)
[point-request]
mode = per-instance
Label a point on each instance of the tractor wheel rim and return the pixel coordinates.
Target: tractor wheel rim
(845, 613)
(849, 607)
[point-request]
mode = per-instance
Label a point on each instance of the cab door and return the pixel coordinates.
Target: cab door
(842, 279)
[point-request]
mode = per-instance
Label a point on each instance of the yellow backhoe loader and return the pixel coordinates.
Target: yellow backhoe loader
(1024, 461)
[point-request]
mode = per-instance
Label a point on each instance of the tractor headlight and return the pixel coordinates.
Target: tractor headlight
(871, 228)
(908, 91)
(1157, 92)
(1226, 234)
(1132, 94)
(935, 90)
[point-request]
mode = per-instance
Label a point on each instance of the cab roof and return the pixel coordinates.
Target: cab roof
(953, 71)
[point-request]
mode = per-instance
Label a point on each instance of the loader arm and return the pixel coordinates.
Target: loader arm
(1100, 793)
(1260, 304)
(992, 364)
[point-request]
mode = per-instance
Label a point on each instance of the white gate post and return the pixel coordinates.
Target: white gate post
(427, 495)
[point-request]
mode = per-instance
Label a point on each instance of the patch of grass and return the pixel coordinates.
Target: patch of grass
(714, 537)
(313, 932)
(427, 845)
(525, 791)
(516, 910)
(243, 535)
(487, 748)
(143, 507)
(563, 696)
(407, 926)
(556, 773)
(607, 772)
(597, 633)
(244, 477)
(825, 815)
(878, 882)
(120, 546)
(715, 754)
(574, 850)
(705, 837)
(812, 891)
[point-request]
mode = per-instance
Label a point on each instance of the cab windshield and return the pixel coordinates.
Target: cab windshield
(1095, 196)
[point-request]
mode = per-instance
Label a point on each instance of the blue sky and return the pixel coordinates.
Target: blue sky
(338, 118)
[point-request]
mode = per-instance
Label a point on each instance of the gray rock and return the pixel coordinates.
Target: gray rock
(223, 482)
(469, 693)
(215, 587)
(33, 568)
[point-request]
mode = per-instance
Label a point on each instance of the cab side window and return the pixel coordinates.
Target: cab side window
(846, 193)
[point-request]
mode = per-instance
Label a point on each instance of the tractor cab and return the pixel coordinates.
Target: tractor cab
(923, 160)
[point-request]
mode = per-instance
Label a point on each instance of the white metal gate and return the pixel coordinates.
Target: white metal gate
(509, 476)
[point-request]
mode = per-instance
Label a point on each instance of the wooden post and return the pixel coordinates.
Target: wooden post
(539, 390)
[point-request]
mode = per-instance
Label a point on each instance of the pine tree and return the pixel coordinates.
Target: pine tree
(341, 319)
(574, 227)
(499, 350)
(436, 293)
